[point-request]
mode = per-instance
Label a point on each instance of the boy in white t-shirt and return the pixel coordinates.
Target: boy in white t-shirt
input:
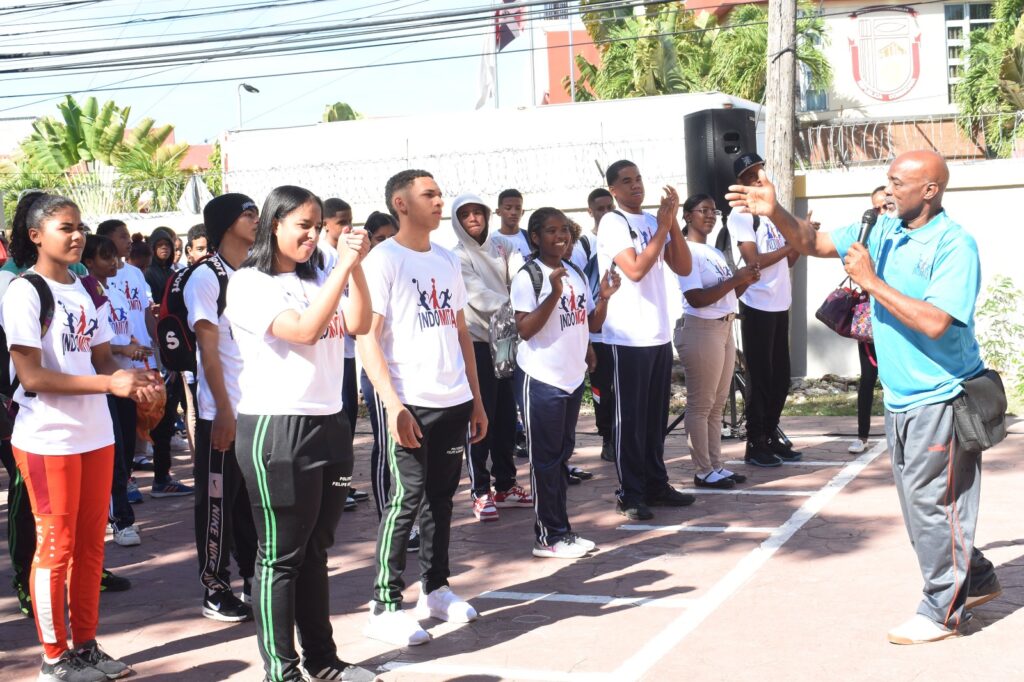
(764, 325)
(637, 330)
(223, 512)
(510, 210)
(419, 357)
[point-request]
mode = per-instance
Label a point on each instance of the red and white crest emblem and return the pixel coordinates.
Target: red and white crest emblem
(886, 51)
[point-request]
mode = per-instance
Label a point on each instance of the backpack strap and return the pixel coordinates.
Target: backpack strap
(757, 222)
(585, 243)
(46, 309)
(217, 265)
(96, 291)
(577, 269)
(632, 232)
(537, 277)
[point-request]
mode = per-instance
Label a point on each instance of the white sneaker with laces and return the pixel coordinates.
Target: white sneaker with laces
(563, 549)
(586, 544)
(858, 446)
(127, 536)
(920, 630)
(445, 605)
(395, 627)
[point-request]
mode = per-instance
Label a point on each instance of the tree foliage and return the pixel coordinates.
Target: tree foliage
(668, 49)
(992, 87)
(339, 111)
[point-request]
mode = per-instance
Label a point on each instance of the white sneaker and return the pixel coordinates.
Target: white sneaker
(586, 544)
(920, 630)
(127, 536)
(444, 604)
(856, 447)
(560, 550)
(395, 627)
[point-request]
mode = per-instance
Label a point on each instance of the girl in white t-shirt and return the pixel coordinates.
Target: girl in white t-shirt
(554, 315)
(706, 344)
(63, 439)
(293, 440)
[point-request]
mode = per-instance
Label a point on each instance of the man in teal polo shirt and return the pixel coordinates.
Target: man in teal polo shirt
(923, 274)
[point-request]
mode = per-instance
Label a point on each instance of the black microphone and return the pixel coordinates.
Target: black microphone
(867, 221)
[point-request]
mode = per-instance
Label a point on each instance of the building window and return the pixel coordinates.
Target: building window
(961, 19)
(556, 11)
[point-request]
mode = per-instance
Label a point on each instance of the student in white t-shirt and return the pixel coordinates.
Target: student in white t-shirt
(510, 210)
(706, 347)
(419, 356)
(638, 332)
(553, 324)
(764, 325)
(287, 316)
(223, 514)
(63, 439)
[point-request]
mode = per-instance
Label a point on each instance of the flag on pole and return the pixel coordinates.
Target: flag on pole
(488, 73)
(508, 25)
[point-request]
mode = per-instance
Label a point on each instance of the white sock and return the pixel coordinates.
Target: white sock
(713, 477)
(723, 472)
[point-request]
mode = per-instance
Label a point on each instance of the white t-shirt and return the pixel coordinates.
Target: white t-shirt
(774, 291)
(579, 259)
(519, 241)
(420, 294)
(637, 313)
(279, 377)
(330, 260)
(557, 354)
(117, 311)
(50, 423)
(130, 281)
(202, 290)
(709, 270)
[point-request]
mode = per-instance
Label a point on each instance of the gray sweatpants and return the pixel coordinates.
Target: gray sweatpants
(939, 485)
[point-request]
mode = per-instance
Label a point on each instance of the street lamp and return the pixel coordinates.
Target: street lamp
(248, 88)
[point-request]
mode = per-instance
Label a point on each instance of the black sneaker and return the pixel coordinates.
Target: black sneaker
(670, 497)
(521, 450)
(759, 455)
(246, 596)
(92, 654)
(338, 670)
(351, 504)
(358, 495)
(113, 583)
(607, 451)
(983, 595)
(580, 474)
(24, 597)
(634, 512)
(70, 668)
(414, 541)
(737, 478)
(783, 450)
(224, 606)
(723, 483)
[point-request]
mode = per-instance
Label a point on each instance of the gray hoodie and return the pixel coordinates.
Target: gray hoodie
(485, 269)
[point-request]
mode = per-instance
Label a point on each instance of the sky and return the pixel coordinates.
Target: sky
(201, 112)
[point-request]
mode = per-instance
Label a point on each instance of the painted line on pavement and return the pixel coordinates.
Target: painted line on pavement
(809, 463)
(701, 529)
(449, 671)
(658, 646)
(750, 491)
(664, 603)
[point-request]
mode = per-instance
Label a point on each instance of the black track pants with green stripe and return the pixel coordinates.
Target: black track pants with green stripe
(21, 527)
(297, 501)
(430, 474)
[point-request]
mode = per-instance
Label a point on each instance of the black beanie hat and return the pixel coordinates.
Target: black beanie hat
(221, 213)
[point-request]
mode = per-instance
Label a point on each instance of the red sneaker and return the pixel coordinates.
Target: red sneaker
(513, 497)
(484, 509)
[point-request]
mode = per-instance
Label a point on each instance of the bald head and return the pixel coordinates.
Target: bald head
(917, 181)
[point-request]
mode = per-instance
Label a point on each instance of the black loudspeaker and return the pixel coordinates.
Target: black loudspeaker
(714, 138)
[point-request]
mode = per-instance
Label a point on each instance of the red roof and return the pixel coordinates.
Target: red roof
(197, 156)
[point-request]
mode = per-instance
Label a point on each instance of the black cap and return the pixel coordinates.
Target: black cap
(222, 212)
(744, 162)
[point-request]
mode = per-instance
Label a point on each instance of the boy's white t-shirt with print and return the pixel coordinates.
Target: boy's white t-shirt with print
(419, 295)
(50, 423)
(279, 377)
(117, 311)
(130, 281)
(774, 291)
(520, 242)
(709, 270)
(202, 291)
(637, 313)
(557, 354)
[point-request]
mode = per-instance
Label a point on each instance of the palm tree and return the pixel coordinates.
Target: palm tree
(339, 111)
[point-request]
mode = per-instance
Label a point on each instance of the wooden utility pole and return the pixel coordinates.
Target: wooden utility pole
(780, 97)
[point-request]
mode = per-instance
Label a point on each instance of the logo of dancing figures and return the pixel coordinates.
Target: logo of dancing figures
(575, 309)
(78, 330)
(119, 321)
(134, 302)
(436, 304)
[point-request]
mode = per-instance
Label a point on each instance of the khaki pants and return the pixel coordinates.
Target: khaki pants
(708, 353)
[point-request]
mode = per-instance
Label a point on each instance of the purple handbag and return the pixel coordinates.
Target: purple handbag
(843, 309)
(860, 320)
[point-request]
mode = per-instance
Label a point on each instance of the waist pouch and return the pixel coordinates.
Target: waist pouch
(979, 413)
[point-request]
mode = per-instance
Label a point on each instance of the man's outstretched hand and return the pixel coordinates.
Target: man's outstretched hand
(755, 200)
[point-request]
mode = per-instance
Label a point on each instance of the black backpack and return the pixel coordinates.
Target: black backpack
(175, 339)
(537, 277)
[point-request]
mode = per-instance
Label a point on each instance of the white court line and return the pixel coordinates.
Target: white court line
(663, 603)
(658, 646)
(449, 670)
(811, 463)
(749, 491)
(700, 529)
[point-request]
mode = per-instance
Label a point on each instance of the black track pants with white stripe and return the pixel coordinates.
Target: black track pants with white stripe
(21, 525)
(380, 476)
(297, 501)
(642, 378)
(429, 474)
(224, 524)
(549, 415)
(498, 397)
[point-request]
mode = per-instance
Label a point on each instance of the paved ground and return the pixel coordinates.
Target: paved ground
(796, 577)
